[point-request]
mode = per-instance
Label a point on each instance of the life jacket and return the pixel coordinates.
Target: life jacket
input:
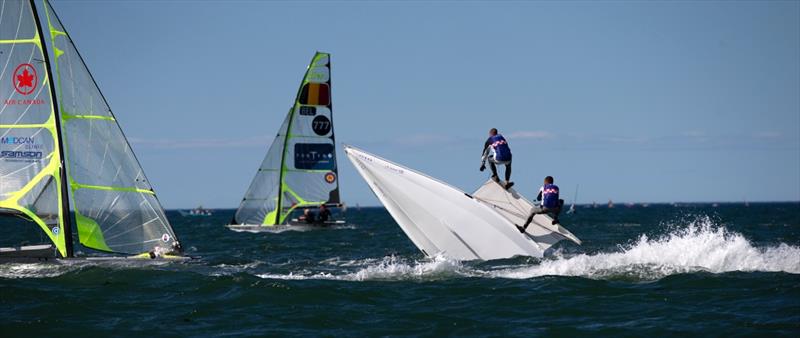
(550, 196)
(501, 150)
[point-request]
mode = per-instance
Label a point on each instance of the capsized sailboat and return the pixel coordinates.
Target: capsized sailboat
(65, 164)
(442, 220)
(300, 170)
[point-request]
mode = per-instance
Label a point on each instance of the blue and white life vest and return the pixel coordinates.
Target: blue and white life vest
(501, 150)
(550, 196)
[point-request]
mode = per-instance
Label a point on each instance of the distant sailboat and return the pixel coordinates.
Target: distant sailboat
(610, 204)
(574, 200)
(65, 164)
(300, 169)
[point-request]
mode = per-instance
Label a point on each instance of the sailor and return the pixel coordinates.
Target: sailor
(307, 216)
(159, 251)
(324, 214)
(551, 204)
(496, 150)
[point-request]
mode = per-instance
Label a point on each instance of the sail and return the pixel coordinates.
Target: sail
(438, 218)
(516, 208)
(116, 209)
(30, 156)
(300, 168)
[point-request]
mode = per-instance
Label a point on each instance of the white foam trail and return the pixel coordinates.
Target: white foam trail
(33, 270)
(695, 248)
(387, 268)
(392, 268)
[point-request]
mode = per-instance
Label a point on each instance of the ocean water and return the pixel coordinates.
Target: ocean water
(661, 270)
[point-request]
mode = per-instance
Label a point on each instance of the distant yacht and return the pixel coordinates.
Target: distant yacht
(574, 200)
(610, 204)
(199, 211)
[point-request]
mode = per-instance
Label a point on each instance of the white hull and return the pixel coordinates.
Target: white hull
(440, 219)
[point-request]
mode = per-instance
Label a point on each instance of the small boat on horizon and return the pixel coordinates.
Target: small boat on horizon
(199, 211)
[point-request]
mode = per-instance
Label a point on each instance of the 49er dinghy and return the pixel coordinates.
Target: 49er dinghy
(442, 220)
(65, 164)
(299, 171)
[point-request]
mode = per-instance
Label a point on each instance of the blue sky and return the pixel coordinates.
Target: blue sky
(634, 101)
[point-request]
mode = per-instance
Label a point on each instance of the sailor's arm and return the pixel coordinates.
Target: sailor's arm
(485, 153)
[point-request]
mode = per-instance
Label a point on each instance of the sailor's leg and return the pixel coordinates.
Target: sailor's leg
(494, 169)
(535, 211)
(508, 172)
(555, 212)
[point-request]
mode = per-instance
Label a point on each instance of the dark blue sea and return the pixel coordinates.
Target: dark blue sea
(661, 270)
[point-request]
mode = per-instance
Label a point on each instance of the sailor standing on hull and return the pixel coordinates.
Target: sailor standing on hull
(497, 151)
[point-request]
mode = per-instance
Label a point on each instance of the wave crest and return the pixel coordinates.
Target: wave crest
(698, 247)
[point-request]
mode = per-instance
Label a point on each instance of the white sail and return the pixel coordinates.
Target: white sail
(439, 218)
(516, 208)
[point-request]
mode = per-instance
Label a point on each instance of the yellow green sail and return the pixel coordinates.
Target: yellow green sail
(64, 162)
(299, 169)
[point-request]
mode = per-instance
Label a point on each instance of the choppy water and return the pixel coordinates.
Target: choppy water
(656, 271)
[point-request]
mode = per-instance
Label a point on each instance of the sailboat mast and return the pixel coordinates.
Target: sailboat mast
(283, 160)
(62, 173)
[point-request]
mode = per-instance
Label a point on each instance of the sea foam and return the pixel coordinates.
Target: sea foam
(698, 247)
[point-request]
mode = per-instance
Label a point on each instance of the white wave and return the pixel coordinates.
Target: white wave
(385, 269)
(392, 268)
(699, 247)
(231, 269)
(34, 270)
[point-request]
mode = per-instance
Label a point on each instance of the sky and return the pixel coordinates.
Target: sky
(632, 101)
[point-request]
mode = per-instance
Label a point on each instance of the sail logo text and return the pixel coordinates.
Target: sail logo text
(26, 102)
(17, 140)
(21, 154)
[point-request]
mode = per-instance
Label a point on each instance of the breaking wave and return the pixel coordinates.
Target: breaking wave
(390, 268)
(699, 247)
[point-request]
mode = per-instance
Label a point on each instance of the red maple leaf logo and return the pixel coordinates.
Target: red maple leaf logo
(25, 79)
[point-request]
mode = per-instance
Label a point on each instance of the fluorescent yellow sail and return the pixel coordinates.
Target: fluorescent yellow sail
(115, 207)
(300, 167)
(30, 160)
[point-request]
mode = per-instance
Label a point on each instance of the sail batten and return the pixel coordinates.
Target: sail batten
(299, 169)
